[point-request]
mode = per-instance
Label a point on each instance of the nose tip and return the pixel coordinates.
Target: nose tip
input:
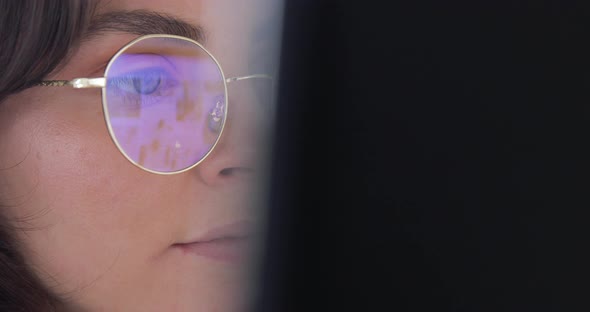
(222, 168)
(239, 151)
(234, 157)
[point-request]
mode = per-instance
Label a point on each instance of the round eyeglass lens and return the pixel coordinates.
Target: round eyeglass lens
(165, 103)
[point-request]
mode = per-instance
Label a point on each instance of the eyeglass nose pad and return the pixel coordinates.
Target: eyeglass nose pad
(216, 116)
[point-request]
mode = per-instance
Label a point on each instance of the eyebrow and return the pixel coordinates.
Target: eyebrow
(143, 22)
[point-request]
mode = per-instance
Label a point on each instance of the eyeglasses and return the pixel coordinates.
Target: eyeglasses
(165, 101)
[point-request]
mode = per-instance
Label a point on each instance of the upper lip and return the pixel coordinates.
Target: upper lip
(236, 230)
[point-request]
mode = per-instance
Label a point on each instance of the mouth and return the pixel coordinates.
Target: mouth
(229, 243)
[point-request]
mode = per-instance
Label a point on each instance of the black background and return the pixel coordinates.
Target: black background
(431, 156)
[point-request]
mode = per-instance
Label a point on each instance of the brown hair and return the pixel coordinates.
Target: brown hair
(35, 37)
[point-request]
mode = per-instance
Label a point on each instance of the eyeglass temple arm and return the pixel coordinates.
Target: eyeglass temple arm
(77, 83)
(254, 76)
(80, 83)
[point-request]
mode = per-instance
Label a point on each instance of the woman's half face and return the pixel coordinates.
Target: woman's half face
(105, 235)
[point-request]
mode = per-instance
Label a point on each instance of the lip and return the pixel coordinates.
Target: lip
(228, 243)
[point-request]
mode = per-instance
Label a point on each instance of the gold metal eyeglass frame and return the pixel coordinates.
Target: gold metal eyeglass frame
(101, 82)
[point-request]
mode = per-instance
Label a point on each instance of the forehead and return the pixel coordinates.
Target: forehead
(227, 24)
(242, 34)
(215, 15)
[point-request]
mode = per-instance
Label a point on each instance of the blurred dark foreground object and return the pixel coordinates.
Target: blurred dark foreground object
(431, 156)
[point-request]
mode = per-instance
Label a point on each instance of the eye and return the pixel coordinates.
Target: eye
(145, 82)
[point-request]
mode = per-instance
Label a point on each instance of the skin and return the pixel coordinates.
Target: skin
(97, 229)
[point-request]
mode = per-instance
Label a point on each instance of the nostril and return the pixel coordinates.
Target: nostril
(226, 172)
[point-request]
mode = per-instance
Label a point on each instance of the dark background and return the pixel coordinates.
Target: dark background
(431, 156)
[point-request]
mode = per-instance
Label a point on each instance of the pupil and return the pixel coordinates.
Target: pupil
(147, 84)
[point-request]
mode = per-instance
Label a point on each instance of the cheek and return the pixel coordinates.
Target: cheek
(80, 202)
(61, 148)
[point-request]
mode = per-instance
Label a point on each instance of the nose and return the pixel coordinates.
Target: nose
(237, 155)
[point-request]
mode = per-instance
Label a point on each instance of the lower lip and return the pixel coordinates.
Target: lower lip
(225, 250)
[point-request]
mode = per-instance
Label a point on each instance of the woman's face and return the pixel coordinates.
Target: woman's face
(103, 234)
